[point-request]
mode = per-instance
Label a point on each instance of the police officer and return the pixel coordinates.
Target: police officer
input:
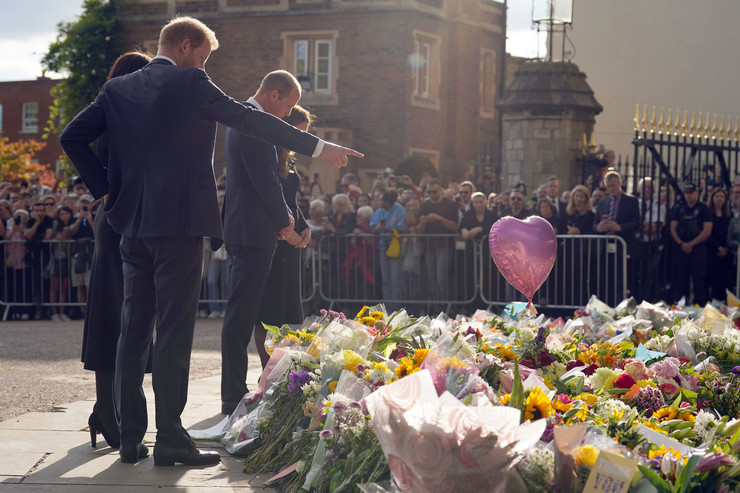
(691, 225)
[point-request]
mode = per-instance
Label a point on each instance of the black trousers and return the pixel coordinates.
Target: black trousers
(161, 281)
(693, 265)
(249, 271)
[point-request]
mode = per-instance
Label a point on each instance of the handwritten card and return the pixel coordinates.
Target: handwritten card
(612, 473)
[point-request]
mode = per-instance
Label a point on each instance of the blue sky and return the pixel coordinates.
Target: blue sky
(28, 26)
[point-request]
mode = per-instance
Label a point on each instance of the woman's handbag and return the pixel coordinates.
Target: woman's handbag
(394, 249)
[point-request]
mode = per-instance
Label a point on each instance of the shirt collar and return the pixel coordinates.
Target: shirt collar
(165, 57)
(254, 103)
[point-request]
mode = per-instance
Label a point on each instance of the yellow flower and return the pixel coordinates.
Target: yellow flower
(686, 416)
(589, 399)
(538, 405)
(380, 366)
(420, 355)
(289, 340)
(361, 312)
(505, 399)
(587, 455)
(352, 359)
(332, 386)
(665, 413)
(661, 451)
(484, 348)
(504, 352)
(377, 315)
(327, 403)
(368, 321)
(406, 367)
(561, 406)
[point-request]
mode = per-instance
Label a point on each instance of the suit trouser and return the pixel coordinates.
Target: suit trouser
(250, 269)
(161, 278)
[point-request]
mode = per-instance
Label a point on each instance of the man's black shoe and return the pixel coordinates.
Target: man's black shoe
(189, 455)
(131, 454)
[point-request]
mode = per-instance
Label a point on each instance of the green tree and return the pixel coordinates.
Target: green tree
(83, 52)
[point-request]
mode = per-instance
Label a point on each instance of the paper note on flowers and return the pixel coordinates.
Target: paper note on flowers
(439, 444)
(612, 473)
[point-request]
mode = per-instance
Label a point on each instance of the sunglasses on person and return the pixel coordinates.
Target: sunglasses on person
(49, 204)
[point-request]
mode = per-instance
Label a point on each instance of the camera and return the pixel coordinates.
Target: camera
(84, 208)
(17, 220)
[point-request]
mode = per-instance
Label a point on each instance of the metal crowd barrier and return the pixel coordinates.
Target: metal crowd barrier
(434, 272)
(584, 265)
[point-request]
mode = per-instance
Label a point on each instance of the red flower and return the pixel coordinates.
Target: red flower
(590, 369)
(624, 381)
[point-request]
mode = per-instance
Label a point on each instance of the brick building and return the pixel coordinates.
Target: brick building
(24, 111)
(389, 77)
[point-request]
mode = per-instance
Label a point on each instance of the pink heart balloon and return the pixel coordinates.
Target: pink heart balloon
(524, 251)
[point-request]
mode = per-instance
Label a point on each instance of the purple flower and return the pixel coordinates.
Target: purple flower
(541, 336)
(298, 379)
(736, 370)
(713, 461)
(355, 405)
(326, 434)
(340, 406)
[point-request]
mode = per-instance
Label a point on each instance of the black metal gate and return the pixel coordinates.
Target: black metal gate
(669, 150)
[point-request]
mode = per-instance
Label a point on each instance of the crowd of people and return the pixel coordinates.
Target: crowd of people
(48, 248)
(49, 237)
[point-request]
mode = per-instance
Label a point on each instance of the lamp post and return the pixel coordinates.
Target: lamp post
(553, 17)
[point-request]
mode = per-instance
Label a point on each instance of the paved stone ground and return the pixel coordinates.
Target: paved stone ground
(40, 366)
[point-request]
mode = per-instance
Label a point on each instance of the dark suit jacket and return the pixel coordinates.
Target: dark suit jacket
(254, 207)
(161, 124)
(627, 216)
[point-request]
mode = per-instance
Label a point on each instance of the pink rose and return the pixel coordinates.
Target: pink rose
(669, 388)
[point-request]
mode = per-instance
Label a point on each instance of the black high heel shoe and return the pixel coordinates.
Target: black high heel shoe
(96, 426)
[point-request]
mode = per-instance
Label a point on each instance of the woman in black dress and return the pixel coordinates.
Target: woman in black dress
(281, 300)
(721, 271)
(105, 296)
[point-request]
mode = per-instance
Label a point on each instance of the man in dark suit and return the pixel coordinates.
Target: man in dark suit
(255, 216)
(616, 214)
(553, 192)
(161, 124)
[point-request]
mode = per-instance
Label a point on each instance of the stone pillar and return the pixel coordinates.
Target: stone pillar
(546, 110)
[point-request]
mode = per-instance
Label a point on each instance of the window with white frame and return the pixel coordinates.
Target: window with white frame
(30, 122)
(312, 58)
(425, 70)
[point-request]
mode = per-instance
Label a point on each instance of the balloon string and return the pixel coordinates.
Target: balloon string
(531, 308)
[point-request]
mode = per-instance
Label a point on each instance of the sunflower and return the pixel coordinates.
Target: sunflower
(361, 312)
(332, 385)
(290, 339)
(420, 355)
(560, 406)
(661, 451)
(377, 315)
(505, 399)
(665, 414)
(504, 352)
(686, 416)
(368, 321)
(406, 367)
(538, 405)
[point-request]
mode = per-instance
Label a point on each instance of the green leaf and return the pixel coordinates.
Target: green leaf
(660, 484)
(275, 331)
(684, 478)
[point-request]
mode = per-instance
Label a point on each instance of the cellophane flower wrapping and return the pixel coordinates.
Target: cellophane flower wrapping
(437, 443)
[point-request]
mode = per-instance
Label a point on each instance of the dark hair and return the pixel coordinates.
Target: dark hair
(390, 196)
(297, 115)
(726, 207)
(129, 62)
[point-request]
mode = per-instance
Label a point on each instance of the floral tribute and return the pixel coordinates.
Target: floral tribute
(387, 402)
